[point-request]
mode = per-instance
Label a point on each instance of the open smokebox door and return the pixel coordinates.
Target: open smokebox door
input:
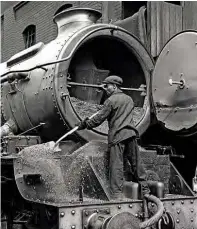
(174, 85)
(102, 55)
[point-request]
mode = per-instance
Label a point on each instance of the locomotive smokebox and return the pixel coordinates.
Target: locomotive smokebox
(60, 94)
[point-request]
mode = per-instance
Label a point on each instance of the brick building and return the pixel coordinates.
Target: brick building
(16, 19)
(26, 23)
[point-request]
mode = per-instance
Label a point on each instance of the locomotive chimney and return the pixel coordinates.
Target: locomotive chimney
(76, 18)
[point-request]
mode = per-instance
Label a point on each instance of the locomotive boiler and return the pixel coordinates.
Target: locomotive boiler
(48, 88)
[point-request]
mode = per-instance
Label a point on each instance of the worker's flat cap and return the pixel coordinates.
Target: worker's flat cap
(113, 80)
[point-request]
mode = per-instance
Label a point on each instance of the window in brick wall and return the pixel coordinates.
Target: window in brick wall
(62, 8)
(29, 35)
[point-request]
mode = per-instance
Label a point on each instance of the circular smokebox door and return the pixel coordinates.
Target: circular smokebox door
(174, 84)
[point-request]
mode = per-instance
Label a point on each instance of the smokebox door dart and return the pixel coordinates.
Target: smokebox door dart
(140, 89)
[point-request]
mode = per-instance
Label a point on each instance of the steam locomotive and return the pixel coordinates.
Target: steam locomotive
(47, 89)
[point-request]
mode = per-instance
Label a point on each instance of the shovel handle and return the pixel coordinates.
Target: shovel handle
(71, 131)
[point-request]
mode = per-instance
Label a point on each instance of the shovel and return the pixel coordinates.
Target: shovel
(55, 147)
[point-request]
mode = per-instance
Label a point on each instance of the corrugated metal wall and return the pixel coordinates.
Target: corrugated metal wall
(190, 15)
(164, 20)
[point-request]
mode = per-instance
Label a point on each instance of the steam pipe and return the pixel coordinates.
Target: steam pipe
(12, 76)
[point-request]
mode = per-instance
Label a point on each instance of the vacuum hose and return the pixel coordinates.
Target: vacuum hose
(8, 128)
(157, 216)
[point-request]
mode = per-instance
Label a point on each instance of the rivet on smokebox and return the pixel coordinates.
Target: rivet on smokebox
(191, 201)
(172, 202)
(177, 220)
(62, 214)
(73, 227)
(178, 211)
(119, 207)
(130, 205)
(73, 212)
(192, 219)
(182, 202)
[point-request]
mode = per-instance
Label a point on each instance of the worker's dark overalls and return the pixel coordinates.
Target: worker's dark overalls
(122, 145)
(120, 154)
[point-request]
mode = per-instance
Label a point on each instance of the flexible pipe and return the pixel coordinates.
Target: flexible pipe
(4, 130)
(9, 127)
(157, 216)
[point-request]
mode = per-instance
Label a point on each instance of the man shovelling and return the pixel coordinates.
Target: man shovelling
(122, 144)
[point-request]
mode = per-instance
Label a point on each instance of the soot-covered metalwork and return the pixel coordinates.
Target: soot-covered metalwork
(44, 96)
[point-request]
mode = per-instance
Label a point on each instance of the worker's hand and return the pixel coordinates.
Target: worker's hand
(103, 86)
(82, 125)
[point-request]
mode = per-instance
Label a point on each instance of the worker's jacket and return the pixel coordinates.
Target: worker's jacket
(118, 110)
